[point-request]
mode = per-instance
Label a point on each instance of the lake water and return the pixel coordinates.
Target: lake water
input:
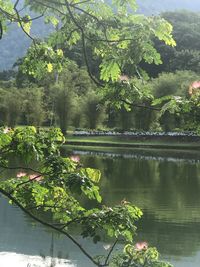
(164, 184)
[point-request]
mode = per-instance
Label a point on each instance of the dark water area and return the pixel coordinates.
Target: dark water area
(164, 184)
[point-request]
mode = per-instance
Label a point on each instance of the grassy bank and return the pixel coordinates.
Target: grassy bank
(116, 141)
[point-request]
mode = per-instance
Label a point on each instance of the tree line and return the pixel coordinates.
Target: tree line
(72, 100)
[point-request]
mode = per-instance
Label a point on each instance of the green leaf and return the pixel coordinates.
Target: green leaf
(93, 174)
(26, 23)
(110, 71)
(52, 19)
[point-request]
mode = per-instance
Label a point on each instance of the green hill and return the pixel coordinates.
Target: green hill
(15, 43)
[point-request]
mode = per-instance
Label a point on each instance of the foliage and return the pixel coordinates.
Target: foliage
(112, 33)
(127, 93)
(118, 38)
(93, 110)
(25, 106)
(10, 107)
(15, 44)
(177, 83)
(185, 56)
(185, 110)
(64, 104)
(145, 257)
(33, 109)
(178, 109)
(56, 185)
(41, 59)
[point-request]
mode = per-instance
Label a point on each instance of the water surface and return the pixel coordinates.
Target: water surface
(164, 184)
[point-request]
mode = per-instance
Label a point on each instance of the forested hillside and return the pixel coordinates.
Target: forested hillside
(15, 43)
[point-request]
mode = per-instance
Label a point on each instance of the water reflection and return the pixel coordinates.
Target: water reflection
(164, 184)
(168, 191)
(22, 241)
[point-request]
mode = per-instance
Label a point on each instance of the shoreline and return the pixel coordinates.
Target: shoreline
(169, 143)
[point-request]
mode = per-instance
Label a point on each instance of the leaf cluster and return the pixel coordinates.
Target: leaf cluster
(53, 188)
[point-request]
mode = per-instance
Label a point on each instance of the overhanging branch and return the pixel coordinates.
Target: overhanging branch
(16, 202)
(132, 104)
(1, 30)
(21, 21)
(83, 44)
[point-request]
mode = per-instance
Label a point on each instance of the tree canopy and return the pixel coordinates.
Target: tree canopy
(112, 31)
(120, 39)
(55, 185)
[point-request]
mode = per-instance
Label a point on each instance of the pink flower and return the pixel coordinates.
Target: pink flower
(124, 78)
(196, 84)
(193, 87)
(6, 130)
(35, 177)
(21, 174)
(75, 158)
(141, 246)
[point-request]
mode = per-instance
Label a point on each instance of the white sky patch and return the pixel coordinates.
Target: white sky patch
(8, 259)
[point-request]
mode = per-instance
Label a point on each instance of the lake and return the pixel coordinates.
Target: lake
(164, 184)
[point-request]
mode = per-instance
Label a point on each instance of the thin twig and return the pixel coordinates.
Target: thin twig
(132, 104)
(20, 168)
(83, 44)
(1, 30)
(26, 182)
(21, 25)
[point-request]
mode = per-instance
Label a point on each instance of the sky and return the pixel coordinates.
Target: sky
(157, 6)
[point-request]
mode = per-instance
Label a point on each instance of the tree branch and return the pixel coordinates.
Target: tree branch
(9, 16)
(51, 7)
(110, 252)
(15, 201)
(1, 30)
(20, 168)
(83, 44)
(132, 104)
(26, 182)
(16, 3)
(20, 23)
(82, 2)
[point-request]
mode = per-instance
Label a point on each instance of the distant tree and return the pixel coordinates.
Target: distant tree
(69, 91)
(185, 60)
(185, 56)
(173, 83)
(93, 110)
(78, 115)
(7, 75)
(64, 104)
(186, 28)
(33, 106)
(10, 106)
(178, 107)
